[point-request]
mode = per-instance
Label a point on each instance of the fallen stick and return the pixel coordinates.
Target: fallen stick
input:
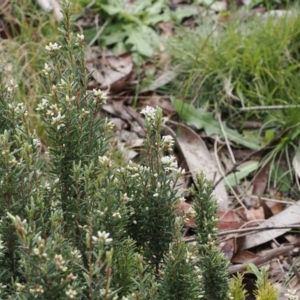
(260, 260)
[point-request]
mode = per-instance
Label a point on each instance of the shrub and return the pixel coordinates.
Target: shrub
(74, 224)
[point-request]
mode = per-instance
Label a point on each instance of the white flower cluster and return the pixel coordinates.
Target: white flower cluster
(11, 87)
(1, 244)
(46, 70)
(43, 105)
(60, 263)
(58, 120)
(36, 142)
(38, 290)
(69, 100)
(52, 48)
(54, 112)
(76, 254)
(167, 142)
(20, 287)
(292, 295)
(100, 96)
(149, 112)
(102, 236)
(104, 161)
(18, 108)
(170, 164)
(79, 38)
(71, 293)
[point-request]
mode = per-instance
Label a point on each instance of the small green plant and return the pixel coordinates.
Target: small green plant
(265, 290)
(131, 26)
(212, 263)
(237, 288)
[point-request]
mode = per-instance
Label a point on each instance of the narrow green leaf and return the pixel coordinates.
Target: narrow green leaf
(242, 171)
(204, 120)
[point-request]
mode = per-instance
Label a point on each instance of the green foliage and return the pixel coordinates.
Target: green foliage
(181, 276)
(132, 26)
(265, 290)
(76, 225)
(258, 68)
(236, 286)
(240, 65)
(204, 120)
(151, 194)
(212, 263)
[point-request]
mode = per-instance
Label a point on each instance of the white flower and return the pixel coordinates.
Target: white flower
(1, 245)
(180, 171)
(167, 142)
(47, 68)
(149, 112)
(71, 293)
(44, 104)
(104, 161)
(56, 119)
(291, 294)
(100, 95)
(117, 214)
(80, 38)
(36, 142)
(59, 126)
(36, 251)
(53, 47)
(169, 162)
(20, 287)
(69, 100)
(102, 236)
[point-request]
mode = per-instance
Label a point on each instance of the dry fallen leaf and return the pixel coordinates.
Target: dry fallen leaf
(229, 220)
(198, 159)
(243, 256)
(289, 216)
(109, 71)
(160, 81)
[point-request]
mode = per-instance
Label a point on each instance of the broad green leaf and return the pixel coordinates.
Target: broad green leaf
(111, 9)
(153, 20)
(204, 120)
(255, 270)
(144, 40)
(269, 136)
(130, 17)
(141, 6)
(157, 8)
(242, 172)
(186, 12)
